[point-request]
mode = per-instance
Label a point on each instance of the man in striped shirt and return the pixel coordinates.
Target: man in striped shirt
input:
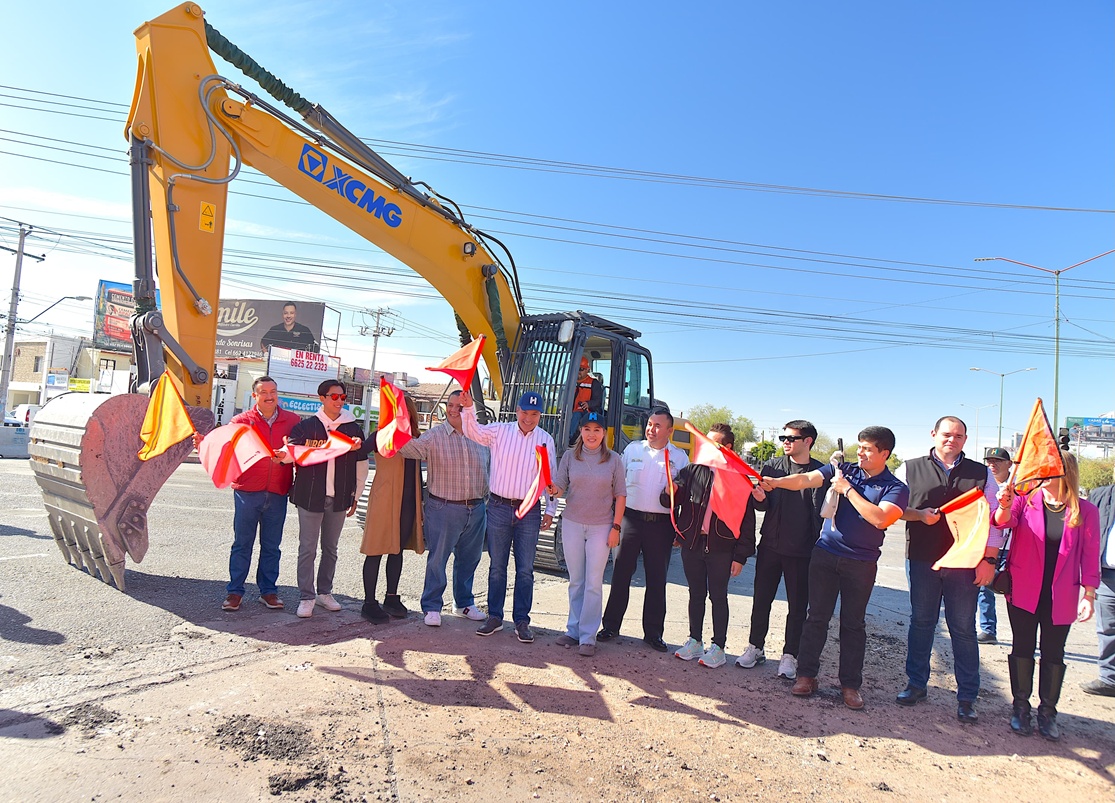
(514, 468)
(455, 511)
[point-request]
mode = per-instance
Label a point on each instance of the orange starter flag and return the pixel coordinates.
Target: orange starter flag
(969, 520)
(394, 420)
(230, 450)
(542, 481)
(166, 422)
(731, 488)
(670, 490)
(1038, 456)
(336, 444)
(461, 364)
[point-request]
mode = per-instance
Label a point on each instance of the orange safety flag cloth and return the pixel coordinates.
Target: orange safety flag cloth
(1038, 456)
(394, 420)
(461, 364)
(166, 422)
(969, 520)
(229, 451)
(542, 481)
(310, 454)
(731, 487)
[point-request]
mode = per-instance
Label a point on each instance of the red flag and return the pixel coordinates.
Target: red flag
(542, 481)
(731, 488)
(461, 364)
(1038, 456)
(969, 520)
(228, 451)
(310, 454)
(166, 421)
(394, 420)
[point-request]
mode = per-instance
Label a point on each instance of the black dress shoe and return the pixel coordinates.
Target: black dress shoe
(372, 612)
(606, 635)
(966, 712)
(911, 695)
(656, 644)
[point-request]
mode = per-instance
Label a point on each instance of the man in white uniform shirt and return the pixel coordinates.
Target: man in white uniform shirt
(646, 529)
(514, 467)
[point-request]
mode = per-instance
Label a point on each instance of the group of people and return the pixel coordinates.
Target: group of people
(649, 499)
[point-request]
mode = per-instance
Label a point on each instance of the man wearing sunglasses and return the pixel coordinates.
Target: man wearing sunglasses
(791, 524)
(325, 494)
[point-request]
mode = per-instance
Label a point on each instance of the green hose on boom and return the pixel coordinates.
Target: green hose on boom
(251, 68)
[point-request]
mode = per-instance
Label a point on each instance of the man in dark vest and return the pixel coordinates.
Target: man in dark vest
(939, 477)
(1104, 499)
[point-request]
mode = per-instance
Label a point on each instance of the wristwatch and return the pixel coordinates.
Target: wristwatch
(615, 526)
(990, 559)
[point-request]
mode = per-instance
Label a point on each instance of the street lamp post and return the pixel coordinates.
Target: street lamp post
(1056, 313)
(977, 409)
(1002, 377)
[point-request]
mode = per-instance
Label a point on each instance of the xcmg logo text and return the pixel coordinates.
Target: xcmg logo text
(315, 164)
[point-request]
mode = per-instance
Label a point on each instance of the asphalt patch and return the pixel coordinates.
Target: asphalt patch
(89, 717)
(257, 738)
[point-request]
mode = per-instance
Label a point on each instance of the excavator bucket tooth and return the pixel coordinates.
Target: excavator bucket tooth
(84, 452)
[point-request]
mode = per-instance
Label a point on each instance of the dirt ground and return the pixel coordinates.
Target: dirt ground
(334, 709)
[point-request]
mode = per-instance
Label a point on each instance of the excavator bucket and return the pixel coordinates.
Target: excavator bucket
(84, 452)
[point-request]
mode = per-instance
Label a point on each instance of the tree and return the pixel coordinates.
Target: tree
(703, 416)
(764, 451)
(1094, 472)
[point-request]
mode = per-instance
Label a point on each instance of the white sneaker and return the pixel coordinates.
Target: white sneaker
(326, 601)
(433, 618)
(306, 609)
(788, 666)
(714, 657)
(690, 650)
(752, 656)
(471, 612)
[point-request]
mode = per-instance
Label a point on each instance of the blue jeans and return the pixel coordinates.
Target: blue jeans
(454, 530)
(987, 619)
(957, 588)
(254, 511)
(504, 532)
(586, 557)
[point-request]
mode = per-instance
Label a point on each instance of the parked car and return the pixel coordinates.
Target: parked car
(22, 415)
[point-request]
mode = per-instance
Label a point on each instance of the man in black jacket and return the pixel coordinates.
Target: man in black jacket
(791, 524)
(325, 494)
(1104, 499)
(939, 477)
(711, 553)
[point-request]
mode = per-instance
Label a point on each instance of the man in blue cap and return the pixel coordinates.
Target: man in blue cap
(513, 448)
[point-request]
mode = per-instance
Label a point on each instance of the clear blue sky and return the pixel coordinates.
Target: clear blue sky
(658, 149)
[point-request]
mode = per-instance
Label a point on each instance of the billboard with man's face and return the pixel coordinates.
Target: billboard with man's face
(247, 327)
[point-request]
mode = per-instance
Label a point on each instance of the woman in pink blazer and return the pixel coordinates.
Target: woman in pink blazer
(1054, 553)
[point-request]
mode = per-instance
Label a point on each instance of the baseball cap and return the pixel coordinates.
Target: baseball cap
(997, 453)
(530, 401)
(593, 418)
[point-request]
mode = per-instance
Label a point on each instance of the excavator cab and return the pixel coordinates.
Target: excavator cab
(546, 359)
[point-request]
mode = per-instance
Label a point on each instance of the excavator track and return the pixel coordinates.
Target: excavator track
(83, 450)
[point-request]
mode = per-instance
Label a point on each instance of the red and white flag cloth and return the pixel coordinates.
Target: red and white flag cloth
(542, 481)
(394, 420)
(670, 490)
(731, 487)
(969, 520)
(336, 444)
(229, 451)
(461, 364)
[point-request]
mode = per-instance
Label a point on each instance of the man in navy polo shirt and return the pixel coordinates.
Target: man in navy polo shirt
(845, 559)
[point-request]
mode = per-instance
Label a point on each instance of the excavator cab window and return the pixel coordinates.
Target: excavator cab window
(637, 396)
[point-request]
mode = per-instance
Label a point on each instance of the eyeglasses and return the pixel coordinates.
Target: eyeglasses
(336, 396)
(791, 438)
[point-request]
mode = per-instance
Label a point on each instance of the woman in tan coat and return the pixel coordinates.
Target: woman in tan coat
(393, 523)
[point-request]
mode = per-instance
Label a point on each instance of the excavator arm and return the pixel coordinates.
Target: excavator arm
(196, 122)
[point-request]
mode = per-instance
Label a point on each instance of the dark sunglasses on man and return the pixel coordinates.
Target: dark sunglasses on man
(791, 438)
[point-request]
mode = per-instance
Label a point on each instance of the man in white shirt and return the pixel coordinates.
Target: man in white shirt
(646, 529)
(513, 448)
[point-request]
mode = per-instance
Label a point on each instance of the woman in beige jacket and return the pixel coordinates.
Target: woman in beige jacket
(393, 523)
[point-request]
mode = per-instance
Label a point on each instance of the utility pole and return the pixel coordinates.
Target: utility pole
(376, 332)
(13, 307)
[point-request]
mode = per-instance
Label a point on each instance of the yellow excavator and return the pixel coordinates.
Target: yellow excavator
(190, 132)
